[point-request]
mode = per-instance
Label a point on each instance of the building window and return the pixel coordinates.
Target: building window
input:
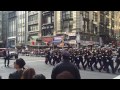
(112, 14)
(33, 17)
(66, 25)
(66, 15)
(107, 21)
(49, 20)
(81, 12)
(96, 31)
(87, 14)
(36, 17)
(66, 22)
(52, 19)
(95, 16)
(46, 20)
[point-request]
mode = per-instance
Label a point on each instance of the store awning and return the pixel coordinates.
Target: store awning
(34, 37)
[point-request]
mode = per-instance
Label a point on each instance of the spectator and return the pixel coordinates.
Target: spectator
(39, 76)
(19, 66)
(28, 73)
(65, 75)
(65, 66)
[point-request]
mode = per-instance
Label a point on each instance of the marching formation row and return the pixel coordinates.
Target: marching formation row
(101, 59)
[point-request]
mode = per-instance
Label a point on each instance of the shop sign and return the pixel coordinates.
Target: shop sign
(47, 39)
(58, 38)
(72, 42)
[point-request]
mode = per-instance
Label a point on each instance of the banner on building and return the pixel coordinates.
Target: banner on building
(47, 39)
(58, 38)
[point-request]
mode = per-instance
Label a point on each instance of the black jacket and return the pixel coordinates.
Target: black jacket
(5, 54)
(16, 75)
(65, 66)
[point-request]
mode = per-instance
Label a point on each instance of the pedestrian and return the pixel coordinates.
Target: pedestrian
(93, 62)
(81, 58)
(6, 57)
(117, 63)
(0, 77)
(28, 73)
(65, 65)
(99, 60)
(47, 57)
(39, 76)
(19, 66)
(87, 58)
(77, 60)
(55, 58)
(110, 63)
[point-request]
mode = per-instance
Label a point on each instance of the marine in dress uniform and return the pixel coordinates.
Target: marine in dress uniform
(77, 60)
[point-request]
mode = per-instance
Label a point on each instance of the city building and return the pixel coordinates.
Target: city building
(34, 27)
(47, 29)
(117, 27)
(12, 29)
(21, 28)
(1, 41)
(79, 28)
(107, 23)
(62, 28)
(4, 27)
(65, 26)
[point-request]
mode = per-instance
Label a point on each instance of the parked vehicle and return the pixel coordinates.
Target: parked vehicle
(13, 54)
(1, 52)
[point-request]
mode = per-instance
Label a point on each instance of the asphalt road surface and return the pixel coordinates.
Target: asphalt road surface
(41, 68)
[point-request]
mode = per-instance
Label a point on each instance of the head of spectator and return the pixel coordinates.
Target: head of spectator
(65, 55)
(19, 64)
(39, 76)
(28, 73)
(65, 75)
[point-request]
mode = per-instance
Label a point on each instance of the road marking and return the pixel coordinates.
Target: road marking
(118, 77)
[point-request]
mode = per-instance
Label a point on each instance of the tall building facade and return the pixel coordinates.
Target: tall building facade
(47, 26)
(79, 28)
(34, 27)
(117, 27)
(1, 41)
(12, 29)
(4, 27)
(65, 25)
(107, 26)
(21, 27)
(16, 33)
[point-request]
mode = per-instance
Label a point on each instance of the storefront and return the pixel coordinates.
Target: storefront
(33, 40)
(58, 40)
(73, 43)
(47, 40)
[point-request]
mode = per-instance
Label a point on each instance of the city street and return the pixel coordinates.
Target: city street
(41, 68)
